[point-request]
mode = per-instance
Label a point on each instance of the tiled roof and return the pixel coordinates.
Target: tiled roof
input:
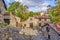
(42, 17)
(57, 27)
(54, 27)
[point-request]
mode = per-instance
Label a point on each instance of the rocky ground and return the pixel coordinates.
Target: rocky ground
(12, 33)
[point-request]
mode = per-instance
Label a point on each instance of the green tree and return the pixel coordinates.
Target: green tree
(31, 13)
(17, 9)
(54, 13)
(21, 11)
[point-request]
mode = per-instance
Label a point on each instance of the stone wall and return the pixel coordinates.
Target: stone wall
(2, 11)
(12, 33)
(15, 20)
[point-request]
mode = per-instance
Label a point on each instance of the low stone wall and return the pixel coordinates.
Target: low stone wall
(12, 33)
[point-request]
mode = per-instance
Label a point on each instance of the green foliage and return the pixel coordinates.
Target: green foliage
(54, 13)
(20, 10)
(33, 13)
(17, 9)
(3, 25)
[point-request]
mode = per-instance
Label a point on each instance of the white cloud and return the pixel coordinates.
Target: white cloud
(19, 0)
(38, 9)
(44, 9)
(45, 4)
(35, 4)
(8, 0)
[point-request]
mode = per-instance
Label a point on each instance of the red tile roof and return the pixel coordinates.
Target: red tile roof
(57, 27)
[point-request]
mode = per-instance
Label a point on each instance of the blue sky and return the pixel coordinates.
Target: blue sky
(34, 5)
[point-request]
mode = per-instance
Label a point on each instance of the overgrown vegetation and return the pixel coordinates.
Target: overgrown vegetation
(3, 25)
(54, 12)
(20, 10)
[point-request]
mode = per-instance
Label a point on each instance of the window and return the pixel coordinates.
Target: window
(39, 19)
(40, 28)
(47, 29)
(59, 34)
(24, 24)
(48, 36)
(31, 25)
(0, 10)
(45, 19)
(7, 38)
(30, 18)
(7, 21)
(39, 24)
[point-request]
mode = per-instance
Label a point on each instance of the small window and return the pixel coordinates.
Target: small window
(39, 19)
(7, 21)
(7, 38)
(30, 18)
(45, 19)
(40, 28)
(0, 10)
(24, 24)
(39, 24)
(59, 34)
(47, 29)
(31, 25)
(48, 36)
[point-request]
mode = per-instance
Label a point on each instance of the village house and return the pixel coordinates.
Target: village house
(46, 29)
(7, 17)
(2, 10)
(12, 20)
(31, 22)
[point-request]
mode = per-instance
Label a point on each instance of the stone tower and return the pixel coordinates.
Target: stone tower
(2, 10)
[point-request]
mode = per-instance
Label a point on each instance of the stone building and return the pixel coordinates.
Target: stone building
(31, 22)
(12, 20)
(46, 29)
(6, 17)
(35, 21)
(2, 10)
